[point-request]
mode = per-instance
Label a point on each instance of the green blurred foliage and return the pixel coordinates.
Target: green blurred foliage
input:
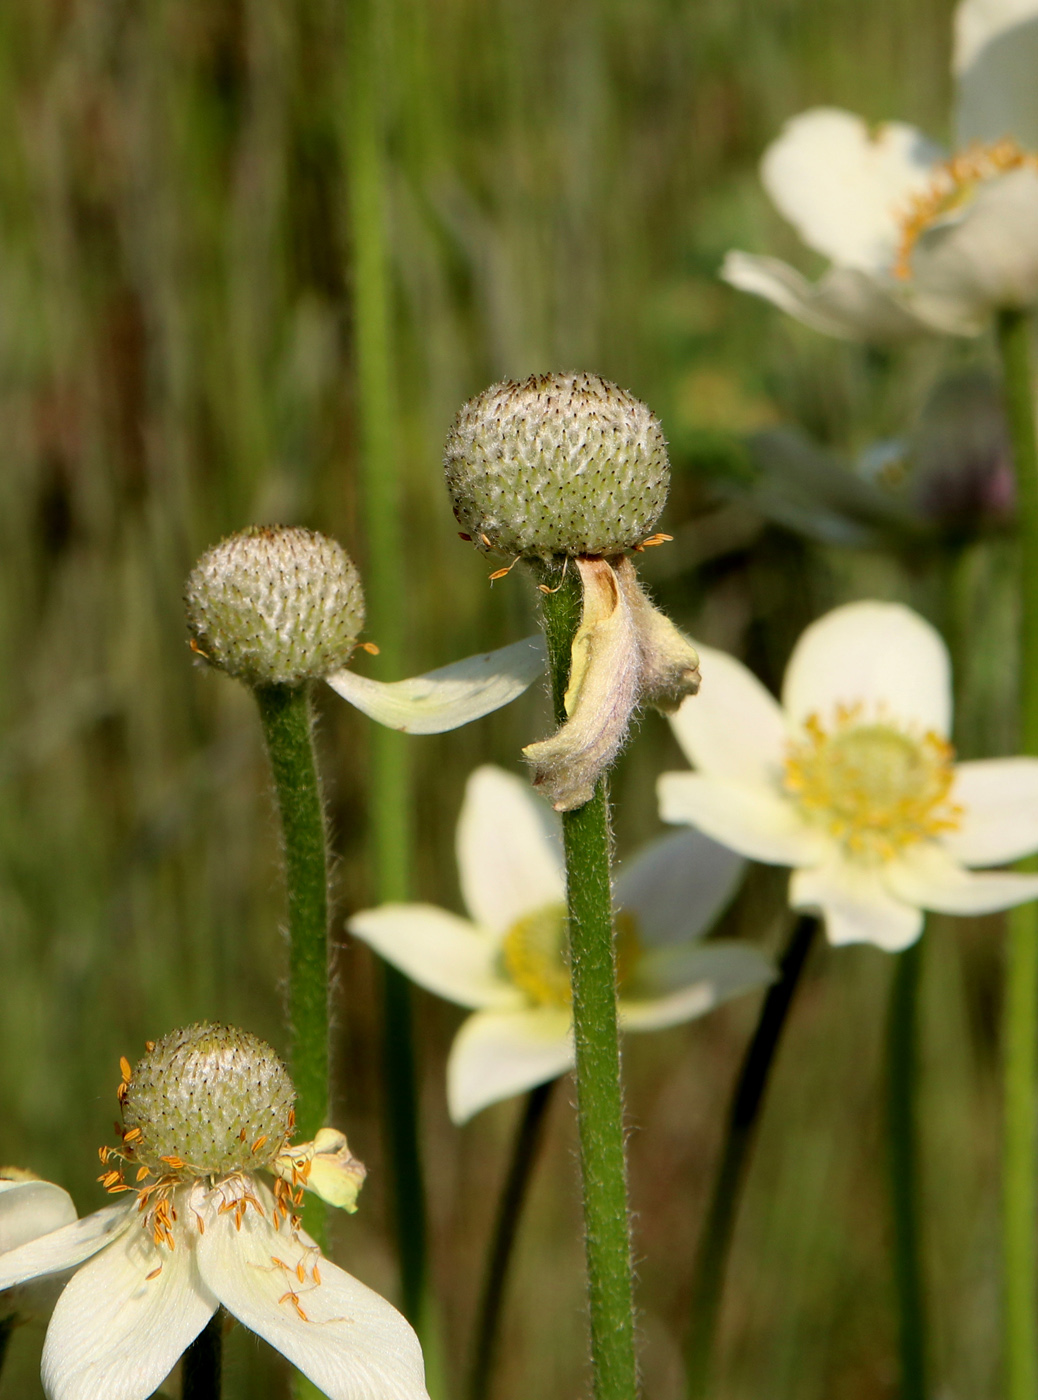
(562, 180)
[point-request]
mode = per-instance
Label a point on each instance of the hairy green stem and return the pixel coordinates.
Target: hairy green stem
(902, 1078)
(1020, 1014)
(586, 839)
(513, 1197)
(716, 1239)
(202, 1366)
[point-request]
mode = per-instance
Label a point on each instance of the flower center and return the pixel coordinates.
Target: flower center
(875, 787)
(953, 184)
(535, 954)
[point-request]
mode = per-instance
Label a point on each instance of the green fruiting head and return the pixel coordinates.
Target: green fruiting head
(207, 1100)
(562, 464)
(275, 605)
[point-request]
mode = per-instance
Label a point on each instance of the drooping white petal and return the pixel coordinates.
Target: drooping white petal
(442, 953)
(982, 259)
(347, 1339)
(929, 877)
(845, 302)
(509, 849)
(702, 977)
(115, 1333)
(63, 1248)
(500, 1053)
(449, 696)
(754, 821)
(996, 57)
(856, 906)
(734, 728)
(999, 823)
(29, 1209)
(843, 185)
(677, 886)
(882, 656)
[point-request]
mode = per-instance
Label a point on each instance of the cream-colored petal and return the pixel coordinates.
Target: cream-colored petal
(856, 906)
(29, 1209)
(442, 953)
(929, 877)
(326, 1166)
(449, 696)
(751, 820)
(63, 1248)
(999, 822)
(691, 981)
(996, 57)
(846, 302)
(116, 1333)
(734, 728)
(500, 1053)
(347, 1339)
(509, 850)
(677, 886)
(842, 184)
(983, 259)
(881, 656)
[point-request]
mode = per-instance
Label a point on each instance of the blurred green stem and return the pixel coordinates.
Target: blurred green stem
(902, 1079)
(513, 1197)
(202, 1366)
(1020, 1030)
(586, 838)
(716, 1239)
(390, 787)
(6, 1328)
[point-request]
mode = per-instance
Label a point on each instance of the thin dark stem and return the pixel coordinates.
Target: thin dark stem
(716, 1239)
(201, 1368)
(6, 1328)
(401, 1125)
(513, 1197)
(902, 1076)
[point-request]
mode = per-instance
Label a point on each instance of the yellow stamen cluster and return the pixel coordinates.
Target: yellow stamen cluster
(953, 185)
(535, 954)
(873, 785)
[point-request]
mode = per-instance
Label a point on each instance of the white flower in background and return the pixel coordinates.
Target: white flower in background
(919, 240)
(29, 1208)
(203, 1111)
(508, 963)
(851, 779)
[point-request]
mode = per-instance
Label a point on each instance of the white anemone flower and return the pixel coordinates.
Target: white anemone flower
(203, 1111)
(919, 239)
(851, 780)
(29, 1208)
(507, 963)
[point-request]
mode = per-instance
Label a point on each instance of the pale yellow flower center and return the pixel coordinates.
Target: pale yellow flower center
(875, 786)
(953, 184)
(535, 954)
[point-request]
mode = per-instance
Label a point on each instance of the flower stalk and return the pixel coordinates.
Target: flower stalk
(1020, 1026)
(586, 838)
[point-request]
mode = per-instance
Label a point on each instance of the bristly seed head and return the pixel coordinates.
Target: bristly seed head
(275, 605)
(210, 1098)
(561, 464)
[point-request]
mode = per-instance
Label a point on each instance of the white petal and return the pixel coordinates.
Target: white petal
(710, 975)
(846, 302)
(449, 696)
(996, 56)
(929, 877)
(983, 259)
(677, 886)
(734, 728)
(442, 953)
(500, 1053)
(751, 820)
(29, 1209)
(842, 184)
(509, 849)
(115, 1333)
(882, 656)
(1000, 817)
(63, 1248)
(856, 906)
(351, 1343)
